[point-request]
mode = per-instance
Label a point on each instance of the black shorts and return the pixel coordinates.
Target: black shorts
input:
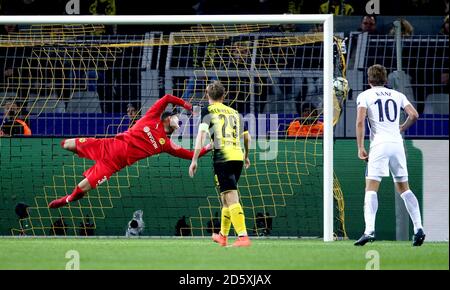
(227, 174)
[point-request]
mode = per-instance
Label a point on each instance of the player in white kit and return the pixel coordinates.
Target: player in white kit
(381, 106)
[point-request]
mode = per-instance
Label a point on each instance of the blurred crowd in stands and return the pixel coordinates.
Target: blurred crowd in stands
(202, 7)
(133, 7)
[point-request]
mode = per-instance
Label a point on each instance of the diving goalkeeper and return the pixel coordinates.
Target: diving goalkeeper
(149, 136)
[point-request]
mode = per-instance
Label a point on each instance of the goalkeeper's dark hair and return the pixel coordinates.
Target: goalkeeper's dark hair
(168, 114)
(215, 90)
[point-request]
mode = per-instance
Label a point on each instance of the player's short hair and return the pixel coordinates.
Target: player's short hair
(215, 90)
(377, 75)
(168, 114)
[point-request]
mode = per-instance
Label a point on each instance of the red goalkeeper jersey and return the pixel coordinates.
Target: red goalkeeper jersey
(147, 137)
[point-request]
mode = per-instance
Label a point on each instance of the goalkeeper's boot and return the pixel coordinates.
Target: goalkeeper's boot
(60, 202)
(365, 238)
(418, 238)
(220, 239)
(243, 241)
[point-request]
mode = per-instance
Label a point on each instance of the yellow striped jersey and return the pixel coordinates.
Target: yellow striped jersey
(225, 127)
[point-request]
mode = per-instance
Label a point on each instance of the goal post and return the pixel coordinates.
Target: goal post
(324, 19)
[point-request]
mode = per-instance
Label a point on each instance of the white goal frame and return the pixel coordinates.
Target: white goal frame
(325, 19)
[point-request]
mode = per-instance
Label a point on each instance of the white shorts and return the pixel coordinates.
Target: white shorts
(387, 157)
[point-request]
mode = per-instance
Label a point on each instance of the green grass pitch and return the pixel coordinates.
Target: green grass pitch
(202, 254)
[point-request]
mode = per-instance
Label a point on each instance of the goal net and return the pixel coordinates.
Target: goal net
(74, 80)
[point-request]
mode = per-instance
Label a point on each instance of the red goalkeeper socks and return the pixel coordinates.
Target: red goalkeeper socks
(76, 194)
(60, 202)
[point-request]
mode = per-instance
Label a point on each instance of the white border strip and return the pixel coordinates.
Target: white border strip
(165, 19)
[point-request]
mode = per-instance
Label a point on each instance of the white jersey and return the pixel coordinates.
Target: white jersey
(383, 113)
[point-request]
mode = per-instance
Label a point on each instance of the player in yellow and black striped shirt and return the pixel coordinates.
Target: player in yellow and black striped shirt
(225, 127)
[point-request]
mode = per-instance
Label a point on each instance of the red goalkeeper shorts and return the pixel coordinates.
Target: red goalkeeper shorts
(109, 155)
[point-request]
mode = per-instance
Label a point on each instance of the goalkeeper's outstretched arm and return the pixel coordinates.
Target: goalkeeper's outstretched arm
(180, 152)
(158, 108)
